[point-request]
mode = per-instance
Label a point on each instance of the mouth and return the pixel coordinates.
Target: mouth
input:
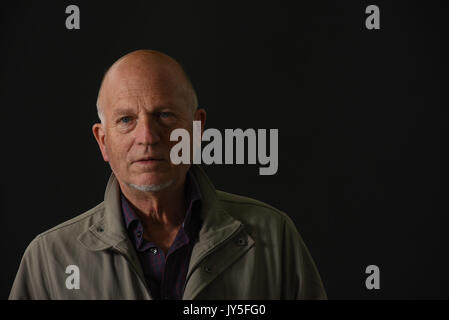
(149, 160)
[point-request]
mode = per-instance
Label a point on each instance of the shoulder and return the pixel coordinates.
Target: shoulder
(71, 229)
(252, 211)
(230, 199)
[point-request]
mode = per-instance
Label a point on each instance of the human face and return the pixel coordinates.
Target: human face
(140, 113)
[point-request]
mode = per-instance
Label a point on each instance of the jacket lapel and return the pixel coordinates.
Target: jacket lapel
(110, 232)
(221, 240)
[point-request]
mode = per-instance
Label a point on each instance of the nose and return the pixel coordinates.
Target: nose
(147, 132)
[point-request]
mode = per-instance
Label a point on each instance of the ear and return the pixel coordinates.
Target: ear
(200, 115)
(100, 135)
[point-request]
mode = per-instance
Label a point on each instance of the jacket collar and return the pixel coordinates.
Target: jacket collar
(110, 231)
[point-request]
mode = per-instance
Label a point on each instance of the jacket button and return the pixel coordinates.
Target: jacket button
(242, 242)
(100, 229)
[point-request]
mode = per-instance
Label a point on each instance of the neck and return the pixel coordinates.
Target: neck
(163, 209)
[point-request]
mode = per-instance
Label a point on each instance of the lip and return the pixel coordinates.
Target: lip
(149, 161)
(149, 158)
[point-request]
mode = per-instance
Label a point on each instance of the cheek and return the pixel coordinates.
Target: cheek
(118, 149)
(165, 138)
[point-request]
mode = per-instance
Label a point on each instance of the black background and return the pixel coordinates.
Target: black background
(362, 121)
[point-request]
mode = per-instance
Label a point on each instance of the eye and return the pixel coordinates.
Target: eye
(125, 119)
(164, 115)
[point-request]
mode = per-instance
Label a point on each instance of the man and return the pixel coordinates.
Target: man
(163, 231)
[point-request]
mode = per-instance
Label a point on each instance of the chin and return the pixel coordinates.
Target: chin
(152, 187)
(152, 178)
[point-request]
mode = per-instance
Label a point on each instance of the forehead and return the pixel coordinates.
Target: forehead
(145, 87)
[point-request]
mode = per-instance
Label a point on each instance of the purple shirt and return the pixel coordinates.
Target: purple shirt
(166, 275)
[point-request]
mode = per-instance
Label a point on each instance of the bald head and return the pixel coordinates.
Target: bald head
(145, 71)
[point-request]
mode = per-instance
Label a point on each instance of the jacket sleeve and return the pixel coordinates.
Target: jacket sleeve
(30, 282)
(301, 277)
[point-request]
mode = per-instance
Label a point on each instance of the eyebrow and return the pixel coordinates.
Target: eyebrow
(122, 110)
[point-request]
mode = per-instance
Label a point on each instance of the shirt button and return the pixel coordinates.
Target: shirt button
(139, 233)
(153, 251)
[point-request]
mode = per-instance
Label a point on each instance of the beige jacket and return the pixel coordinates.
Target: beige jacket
(245, 250)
